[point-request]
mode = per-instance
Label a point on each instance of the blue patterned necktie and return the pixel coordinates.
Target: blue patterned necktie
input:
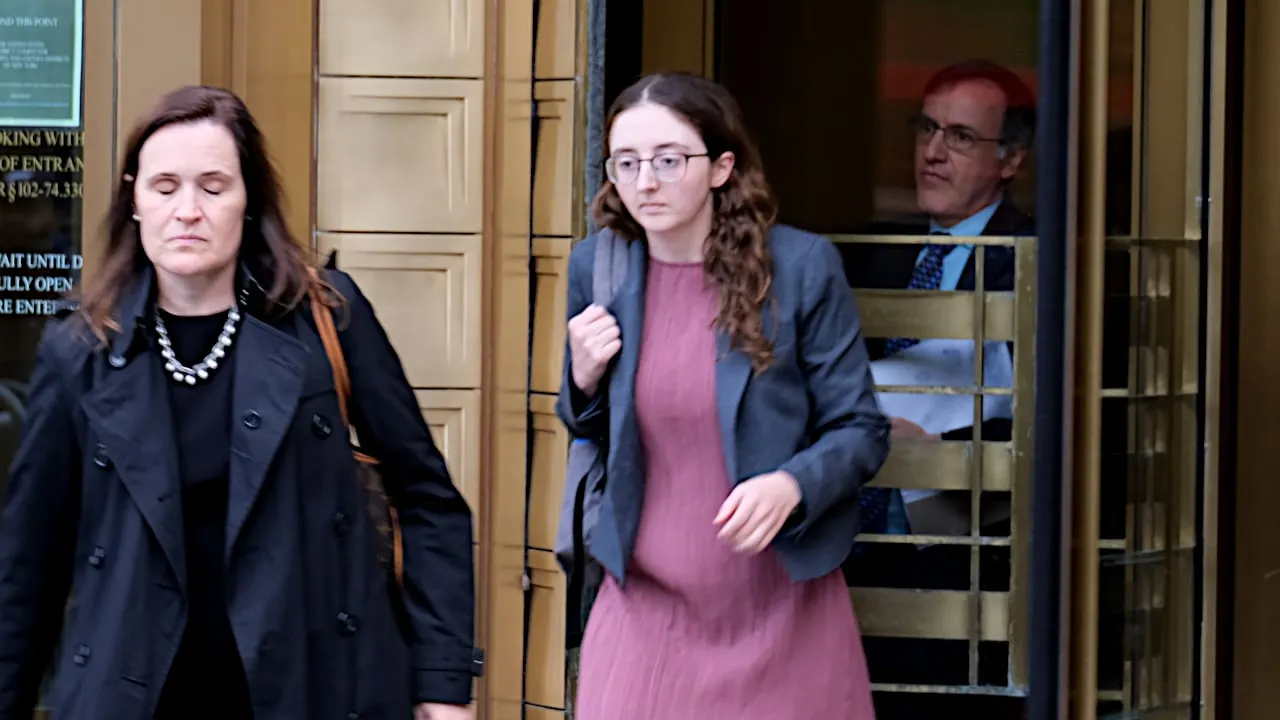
(875, 510)
(927, 276)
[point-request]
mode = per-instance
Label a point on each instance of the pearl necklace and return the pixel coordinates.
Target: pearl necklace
(189, 375)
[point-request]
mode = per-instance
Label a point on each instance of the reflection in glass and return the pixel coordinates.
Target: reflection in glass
(41, 176)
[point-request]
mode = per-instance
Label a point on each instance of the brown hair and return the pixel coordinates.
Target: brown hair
(736, 254)
(266, 245)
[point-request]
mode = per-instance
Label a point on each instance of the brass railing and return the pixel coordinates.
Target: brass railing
(979, 466)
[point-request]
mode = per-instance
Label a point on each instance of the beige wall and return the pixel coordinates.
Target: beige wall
(400, 157)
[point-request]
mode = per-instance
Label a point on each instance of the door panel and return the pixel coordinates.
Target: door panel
(1142, 285)
(828, 92)
(1140, 462)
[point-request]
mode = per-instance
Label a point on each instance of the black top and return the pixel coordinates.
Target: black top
(207, 677)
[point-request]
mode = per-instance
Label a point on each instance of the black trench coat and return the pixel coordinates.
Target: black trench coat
(93, 516)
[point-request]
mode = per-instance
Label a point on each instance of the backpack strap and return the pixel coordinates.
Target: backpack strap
(612, 254)
(608, 274)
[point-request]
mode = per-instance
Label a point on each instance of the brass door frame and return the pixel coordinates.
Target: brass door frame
(99, 123)
(1216, 307)
(265, 53)
(503, 581)
(1253, 656)
(134, 50)
(1174, 363)
(1086, 447)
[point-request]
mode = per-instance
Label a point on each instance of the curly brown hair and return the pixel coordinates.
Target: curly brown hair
(266, 245)
(736, 255)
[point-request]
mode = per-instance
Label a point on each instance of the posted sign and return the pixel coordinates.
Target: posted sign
(41, 43)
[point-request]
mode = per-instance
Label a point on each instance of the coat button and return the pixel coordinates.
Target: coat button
(341, 524)
(98, 556)
(100, 457)
(252, 420)
(347, 624)
(321, 426)
(81, 656)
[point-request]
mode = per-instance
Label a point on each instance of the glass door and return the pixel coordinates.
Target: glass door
(878, 123)
(55, 63)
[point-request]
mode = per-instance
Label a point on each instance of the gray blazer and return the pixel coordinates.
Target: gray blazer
(813, 413)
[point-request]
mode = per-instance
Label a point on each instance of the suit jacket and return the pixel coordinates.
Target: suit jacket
(813, 413)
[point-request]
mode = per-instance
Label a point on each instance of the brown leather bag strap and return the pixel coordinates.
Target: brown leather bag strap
(342, 385)
(332, 348)
(337, 360)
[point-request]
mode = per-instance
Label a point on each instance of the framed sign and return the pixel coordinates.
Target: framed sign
(40, 63)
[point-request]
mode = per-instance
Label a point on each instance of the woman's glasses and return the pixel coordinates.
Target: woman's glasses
(668, 167)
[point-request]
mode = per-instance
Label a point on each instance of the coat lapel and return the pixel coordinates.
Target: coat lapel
(1009, 220)
(129, 411)
(267, 387)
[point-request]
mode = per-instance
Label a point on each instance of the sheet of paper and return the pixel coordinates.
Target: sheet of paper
(941, 363)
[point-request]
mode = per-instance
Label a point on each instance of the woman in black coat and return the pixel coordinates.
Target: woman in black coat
(184, 533)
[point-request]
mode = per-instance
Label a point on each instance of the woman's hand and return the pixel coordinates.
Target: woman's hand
(437, 711)
(594, 338)
(756, 510)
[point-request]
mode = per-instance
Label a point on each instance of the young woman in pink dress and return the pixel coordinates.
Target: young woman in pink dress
(729, 381)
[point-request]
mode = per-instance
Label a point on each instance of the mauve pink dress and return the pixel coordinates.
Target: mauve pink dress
(701, 632)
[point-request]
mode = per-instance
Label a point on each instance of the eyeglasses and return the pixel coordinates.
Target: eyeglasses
(668, 167)
(956, 137)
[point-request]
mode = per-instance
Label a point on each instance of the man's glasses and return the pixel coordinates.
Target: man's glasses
(956, 137)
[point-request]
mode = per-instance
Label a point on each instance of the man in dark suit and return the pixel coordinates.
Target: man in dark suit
(973, 133)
